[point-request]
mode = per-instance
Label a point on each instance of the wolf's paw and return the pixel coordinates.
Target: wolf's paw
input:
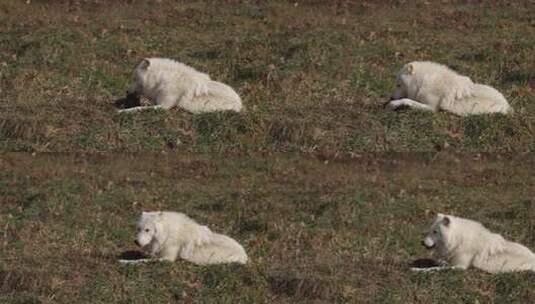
(398, 104)
(392, 105)
(129, 110)
(134, 262)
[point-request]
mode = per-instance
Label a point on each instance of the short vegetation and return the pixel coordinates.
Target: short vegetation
(312, 74)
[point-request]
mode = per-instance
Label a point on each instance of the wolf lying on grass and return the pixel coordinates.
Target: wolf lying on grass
(431, 86)
(168, 83)
(465, 243)
(167, 235)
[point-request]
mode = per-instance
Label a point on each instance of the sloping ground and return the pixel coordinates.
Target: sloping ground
(311, 73)
(322, 229)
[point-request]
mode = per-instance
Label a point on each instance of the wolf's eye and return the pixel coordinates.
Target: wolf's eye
(435, 232)
(147, 230)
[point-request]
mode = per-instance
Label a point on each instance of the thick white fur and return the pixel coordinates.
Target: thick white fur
(168, 83)
(465, 243)
(167, 235)
(431, 86)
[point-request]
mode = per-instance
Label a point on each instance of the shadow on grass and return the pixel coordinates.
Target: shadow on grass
(130, 101)
(132, 255)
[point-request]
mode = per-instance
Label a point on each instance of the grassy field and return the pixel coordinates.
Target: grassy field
(317, 229)
(334, 221)
(311, 73)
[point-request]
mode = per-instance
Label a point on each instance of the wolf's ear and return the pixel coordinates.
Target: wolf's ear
(410, 69)
(144, 216)
(144, 64)
(446, 221)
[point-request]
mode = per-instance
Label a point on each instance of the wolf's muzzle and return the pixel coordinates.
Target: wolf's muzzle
(427, 246)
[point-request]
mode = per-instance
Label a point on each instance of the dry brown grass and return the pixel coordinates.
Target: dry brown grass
(331, 224)
(311, 75)
(328, 228)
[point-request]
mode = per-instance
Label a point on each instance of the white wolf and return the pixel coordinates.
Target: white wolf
(167, 235)
(169, 83)
(465, 243)
(431, 86)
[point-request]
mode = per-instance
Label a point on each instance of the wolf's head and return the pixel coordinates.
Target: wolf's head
(438, 236)
(139, 77)
(404, 85)
(150, 229)
(431, 77)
